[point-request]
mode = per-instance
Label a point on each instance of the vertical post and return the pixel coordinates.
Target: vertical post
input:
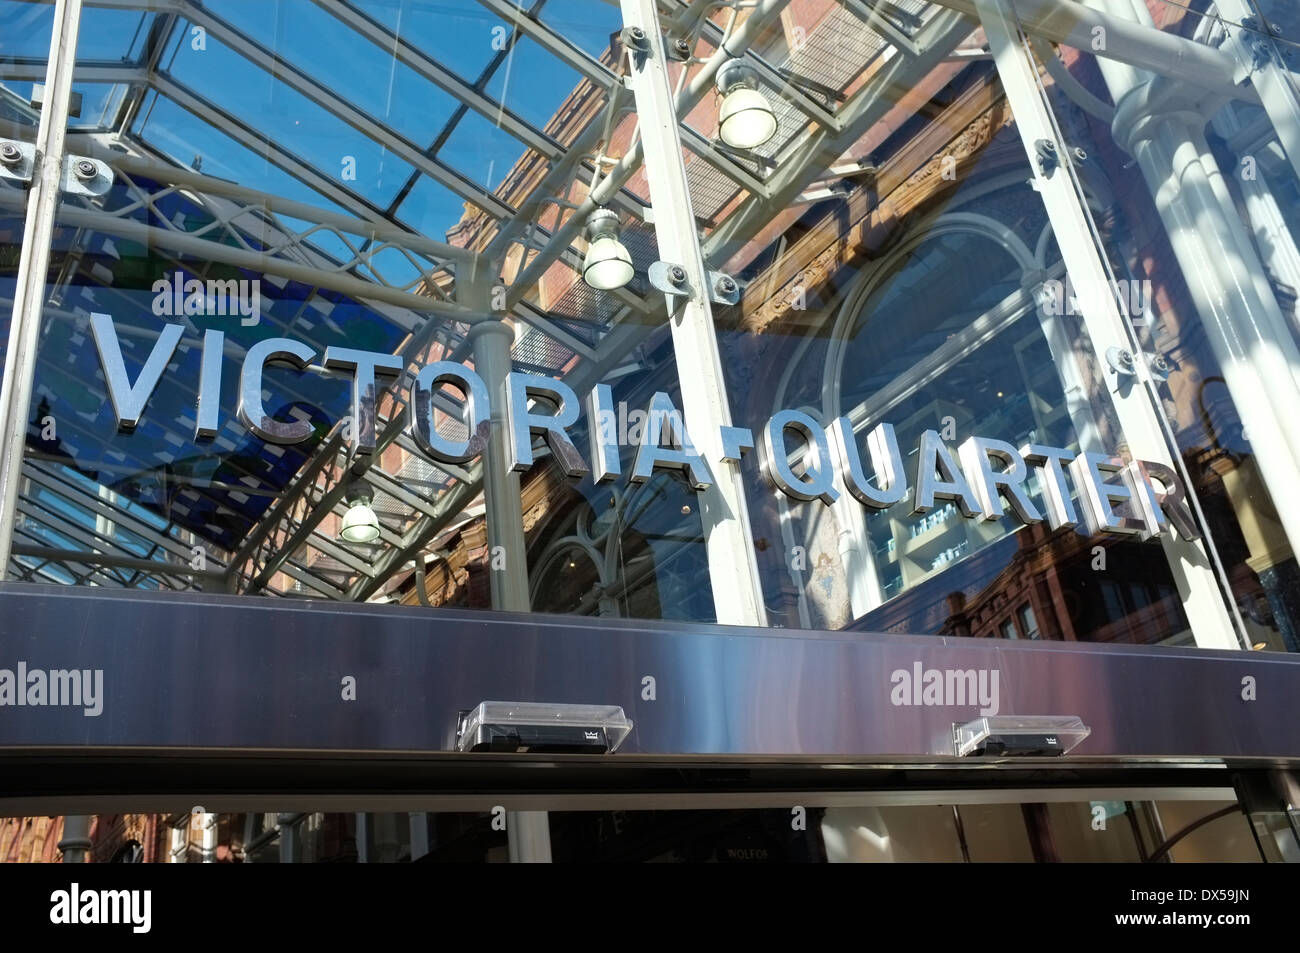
(208, 844)
(1269, 75)
(290, 842)
(527, 832)
(1206, 606)
(733, 571)
(75, 842)
(365, 838)
(29, 291)
(507, 555)
(419, 835)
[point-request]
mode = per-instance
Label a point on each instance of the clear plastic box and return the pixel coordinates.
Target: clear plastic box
(539, 726)
(1019, 735)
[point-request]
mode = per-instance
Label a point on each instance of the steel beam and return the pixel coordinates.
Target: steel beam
(759, 19)
(552, 42)
(184, 242)
(882, 92)
(733, 569)
(121, 562)
(343, 109)
(449, 81)
(1073, 24)
(262, 144)
(33, 264)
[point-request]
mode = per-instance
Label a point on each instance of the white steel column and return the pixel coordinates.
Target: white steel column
(1268, 74)
(1240, 316)
(1205, 605)
(34, 262)
(733, 571)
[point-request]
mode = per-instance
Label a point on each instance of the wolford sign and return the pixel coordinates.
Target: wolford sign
(990, 477)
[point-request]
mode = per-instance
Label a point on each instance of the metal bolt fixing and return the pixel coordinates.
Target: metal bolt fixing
(682, 47)
(1159, 363)
(10, 154)
(1126, 358)
(726, 285)
(677, 275)
(86, 170)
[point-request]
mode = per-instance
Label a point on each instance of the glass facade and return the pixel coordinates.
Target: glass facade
(870, 317)
(417, 184)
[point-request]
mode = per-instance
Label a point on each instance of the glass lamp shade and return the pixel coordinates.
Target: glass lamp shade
(746, 119)
(607, 264)
(360, 524)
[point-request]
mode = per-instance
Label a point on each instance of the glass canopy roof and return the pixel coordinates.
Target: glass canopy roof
(340, 143)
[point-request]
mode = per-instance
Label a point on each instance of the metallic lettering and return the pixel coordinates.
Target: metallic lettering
(364, 365)
(990, 485)
(681, 456)
(1097, 495)
(938, 477)
(818, 481)
(477, 413)
(209, 411)
(1056, 492)
(523, 423)
(886, 461)
(129, 399)
(602, 425)
(251, 411)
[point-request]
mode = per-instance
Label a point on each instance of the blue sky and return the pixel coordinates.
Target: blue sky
(458, 33)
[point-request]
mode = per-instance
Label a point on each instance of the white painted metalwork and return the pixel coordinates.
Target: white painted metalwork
(1190, 562)
(733, 571)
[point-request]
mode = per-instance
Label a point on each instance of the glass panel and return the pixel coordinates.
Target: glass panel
(1195, 201)
(1098, 831)
(25, 30)
(289, 176)
(892, 255)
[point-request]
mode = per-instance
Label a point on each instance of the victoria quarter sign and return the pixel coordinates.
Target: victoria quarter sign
(983, 477)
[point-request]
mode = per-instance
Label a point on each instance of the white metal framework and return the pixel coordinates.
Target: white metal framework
(437, 298)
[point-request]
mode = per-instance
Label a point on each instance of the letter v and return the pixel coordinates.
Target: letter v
(129, 399)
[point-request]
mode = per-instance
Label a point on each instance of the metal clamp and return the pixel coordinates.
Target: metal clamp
(1124, 364)
(672, 280)
(1159, 367)
(1048, 160)
(17, 160)
(723, 289)
(635, 38)
(668, 278)
(636, 44)
(81, 175)
(86, 177)
(1121, 361)
(677, 48)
